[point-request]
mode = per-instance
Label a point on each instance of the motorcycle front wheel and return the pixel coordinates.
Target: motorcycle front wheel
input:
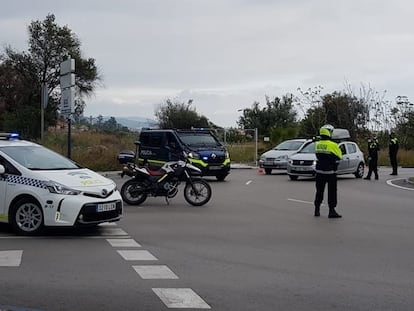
(198, 193)
(133, 192)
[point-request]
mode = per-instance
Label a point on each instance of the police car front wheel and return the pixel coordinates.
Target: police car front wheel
(26, 216)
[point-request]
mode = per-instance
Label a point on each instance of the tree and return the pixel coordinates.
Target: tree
(181, 116)
(342, 110)
(278, 113)
(345, 111)
(49, 45)
(403, 118)
(315, 117)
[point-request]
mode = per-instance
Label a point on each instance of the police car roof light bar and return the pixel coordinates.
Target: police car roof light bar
(9, 136)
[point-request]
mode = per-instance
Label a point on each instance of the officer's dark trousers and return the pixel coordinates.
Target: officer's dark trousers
(321, 181)
(393, 160)
(373, 167)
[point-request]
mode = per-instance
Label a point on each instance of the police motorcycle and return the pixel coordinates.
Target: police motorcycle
(162, 182)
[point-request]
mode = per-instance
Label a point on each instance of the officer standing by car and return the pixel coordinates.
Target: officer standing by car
(373, 149)
(392, 151)
(328, 154)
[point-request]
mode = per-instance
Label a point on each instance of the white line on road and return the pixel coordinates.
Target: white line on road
(300, 201)
(389, 182)
(180, 298)
(155, 272)
(136, 255)
(249, 182)
(123, 243)
(10, 258)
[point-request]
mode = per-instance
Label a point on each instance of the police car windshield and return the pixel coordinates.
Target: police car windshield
(289, 145)
(196, 139)
(38, 158)
(310, 148)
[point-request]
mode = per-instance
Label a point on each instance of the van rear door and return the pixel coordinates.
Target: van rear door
(152, 148)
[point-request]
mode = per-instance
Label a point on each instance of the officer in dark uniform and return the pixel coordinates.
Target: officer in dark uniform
(373, 149)
(328, 154)
(393, 150)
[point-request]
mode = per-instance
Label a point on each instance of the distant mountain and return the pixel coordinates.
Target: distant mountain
(136, 122)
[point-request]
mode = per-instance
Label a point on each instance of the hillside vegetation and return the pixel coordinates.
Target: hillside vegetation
(99, 151)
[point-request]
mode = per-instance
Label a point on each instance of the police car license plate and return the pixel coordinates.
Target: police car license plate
(105, 207)
(215, 168)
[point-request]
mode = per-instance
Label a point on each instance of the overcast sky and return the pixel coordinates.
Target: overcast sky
(226, 54)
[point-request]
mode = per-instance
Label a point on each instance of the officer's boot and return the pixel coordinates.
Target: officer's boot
(333, 213)
(317, 211)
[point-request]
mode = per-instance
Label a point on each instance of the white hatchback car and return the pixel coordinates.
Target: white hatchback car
(277, 158)
(303, 162)
(39, 187)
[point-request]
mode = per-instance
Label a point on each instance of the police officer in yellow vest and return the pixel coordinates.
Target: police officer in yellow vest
(328, 154)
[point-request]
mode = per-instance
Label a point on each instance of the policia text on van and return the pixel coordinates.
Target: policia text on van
(204, 150)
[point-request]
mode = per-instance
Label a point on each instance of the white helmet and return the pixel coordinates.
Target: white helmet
(329, 127)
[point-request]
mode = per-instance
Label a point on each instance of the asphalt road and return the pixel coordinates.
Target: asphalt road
(254, 246)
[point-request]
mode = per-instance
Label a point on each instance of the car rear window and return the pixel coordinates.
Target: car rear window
(289, 145)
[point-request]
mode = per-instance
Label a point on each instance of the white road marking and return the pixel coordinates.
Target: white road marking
(136, 255)
(123, 243)
(300, 201)
(180, 298)
(104, 224)
(249, 182)
(389, 182)
(155, 272)
(112, 231)
(10, 258)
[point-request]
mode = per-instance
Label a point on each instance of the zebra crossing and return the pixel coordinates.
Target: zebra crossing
(142, 262)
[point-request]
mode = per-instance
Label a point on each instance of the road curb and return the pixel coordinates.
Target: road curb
(234, 166)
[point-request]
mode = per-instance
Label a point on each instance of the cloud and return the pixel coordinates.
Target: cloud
(227, 54)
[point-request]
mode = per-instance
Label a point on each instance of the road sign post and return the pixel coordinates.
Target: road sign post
(67, 85)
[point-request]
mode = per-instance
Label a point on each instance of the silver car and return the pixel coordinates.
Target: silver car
(277, 157)
(304, 161)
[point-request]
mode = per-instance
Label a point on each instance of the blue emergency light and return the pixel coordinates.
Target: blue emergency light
(10, 136)
(14, 136)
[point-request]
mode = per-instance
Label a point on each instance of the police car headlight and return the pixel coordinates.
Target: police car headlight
(194, 155)
(57, 188)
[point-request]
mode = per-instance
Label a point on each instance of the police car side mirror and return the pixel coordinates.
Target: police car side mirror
(2, 170)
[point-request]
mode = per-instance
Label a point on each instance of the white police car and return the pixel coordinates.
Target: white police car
(39, 187)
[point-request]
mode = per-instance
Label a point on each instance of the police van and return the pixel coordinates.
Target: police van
(204, 150)
(39, 187)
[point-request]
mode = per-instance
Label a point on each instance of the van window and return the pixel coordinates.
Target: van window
(153, 139)
(171, 141)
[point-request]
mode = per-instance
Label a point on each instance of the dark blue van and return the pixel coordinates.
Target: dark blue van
(202, 147)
